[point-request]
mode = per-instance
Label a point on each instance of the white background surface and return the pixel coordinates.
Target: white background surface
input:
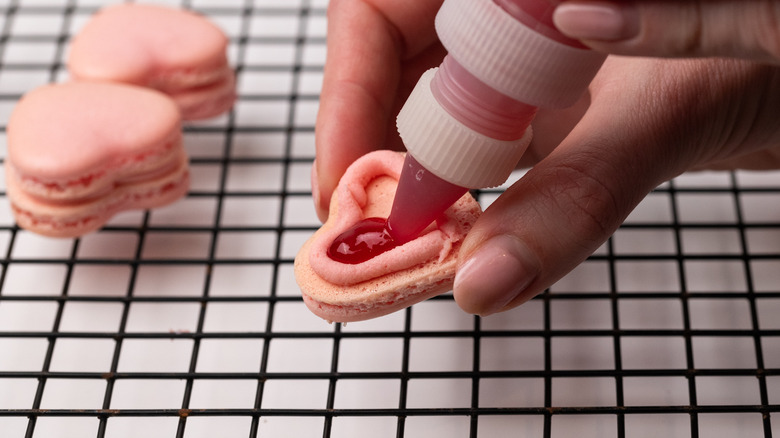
(195, 305)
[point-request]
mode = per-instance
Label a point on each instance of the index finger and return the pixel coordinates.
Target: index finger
(368, 42)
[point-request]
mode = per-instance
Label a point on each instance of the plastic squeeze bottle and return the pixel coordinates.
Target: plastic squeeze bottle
(467, 123)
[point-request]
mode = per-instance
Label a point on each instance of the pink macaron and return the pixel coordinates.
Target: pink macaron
(175, 51)
(393, 280)
(80, 152)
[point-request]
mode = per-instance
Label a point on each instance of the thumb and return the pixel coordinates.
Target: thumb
(744, 29)
(543, 226)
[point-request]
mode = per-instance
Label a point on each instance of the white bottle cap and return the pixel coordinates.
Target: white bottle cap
(512, 58)
(451, 150)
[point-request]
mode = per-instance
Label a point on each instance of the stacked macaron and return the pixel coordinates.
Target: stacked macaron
(80, 152)
(110, 139)
(175, 51)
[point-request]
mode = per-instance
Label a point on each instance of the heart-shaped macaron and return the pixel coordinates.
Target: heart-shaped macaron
(390, 281)
(175, 51)
(79, 152)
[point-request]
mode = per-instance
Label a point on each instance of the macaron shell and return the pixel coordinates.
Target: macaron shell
(61, 133)
(391, 290)
(148, 45)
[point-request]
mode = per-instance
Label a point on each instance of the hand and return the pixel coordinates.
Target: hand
(649, 121)
(645, 121)
(377, 51)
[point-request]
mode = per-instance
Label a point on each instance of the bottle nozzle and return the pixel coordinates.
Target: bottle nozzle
(421, 197)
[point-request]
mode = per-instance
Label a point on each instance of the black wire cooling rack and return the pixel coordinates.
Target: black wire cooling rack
(185, 321)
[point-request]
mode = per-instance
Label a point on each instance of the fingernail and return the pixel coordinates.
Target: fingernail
(600, 21)
(494, 275)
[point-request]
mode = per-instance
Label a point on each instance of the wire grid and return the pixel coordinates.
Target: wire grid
(185, 321)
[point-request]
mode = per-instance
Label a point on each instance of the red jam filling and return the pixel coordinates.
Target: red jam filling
(363, 241)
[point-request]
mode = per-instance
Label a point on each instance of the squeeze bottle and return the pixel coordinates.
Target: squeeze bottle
(467, 122)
